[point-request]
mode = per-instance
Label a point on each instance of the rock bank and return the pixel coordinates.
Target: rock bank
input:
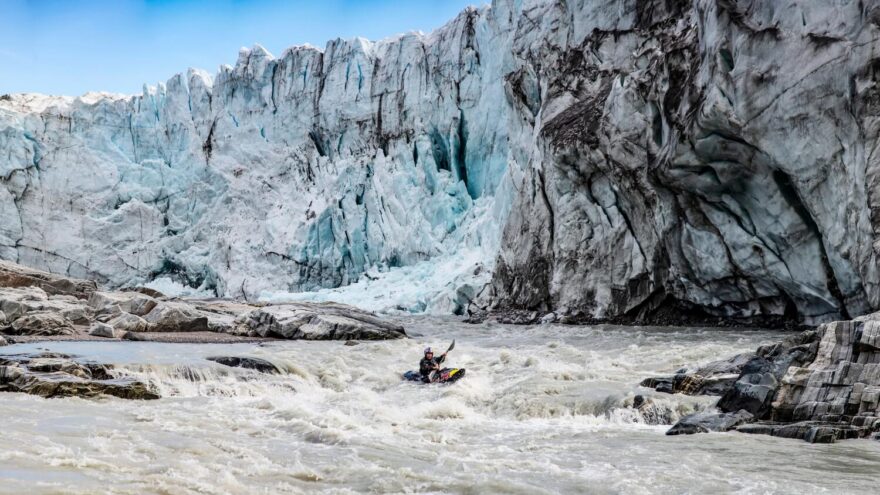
(54, 375)
(14, 275)
(821, 385)
(79, 311)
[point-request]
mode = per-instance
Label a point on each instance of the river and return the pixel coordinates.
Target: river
(542, 409)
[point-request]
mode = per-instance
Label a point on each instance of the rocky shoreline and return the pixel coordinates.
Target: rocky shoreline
(673, 316)
(53, 375)
(821, 386)
(36, 306)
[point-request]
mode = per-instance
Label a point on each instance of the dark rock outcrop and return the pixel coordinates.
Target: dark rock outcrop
(652, 412)
(704, 422)
(715, 378)
(60, 376)
(822, 385)
(250, 363)
(41, 324)
(13, 275)
(811, 431)
(761, 376)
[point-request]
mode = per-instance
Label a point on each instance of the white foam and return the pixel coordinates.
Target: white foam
(541, 410)
(173, 288)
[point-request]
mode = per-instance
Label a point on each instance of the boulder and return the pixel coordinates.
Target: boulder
(3, 341)
(63, 377)
(753, 390)
(273, 321)
(653, 412)
(146, 291)
(746, 381)
(704, 422)
(820, 386)
(13, 275)
(16, 302)
(133, 303)
(53, 385)
(126, 322)
(222, 314)
(691, 384)
(79, 315)
(714, 378)
(516, 317)
(57, 364)
(99, 329)
(42, 324)
(337, 327)
(762, 376)
(176, 317)
(250, 363)
(388, 329)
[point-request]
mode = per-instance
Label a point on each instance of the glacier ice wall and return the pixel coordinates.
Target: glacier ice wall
(278, 174)
(596, 157)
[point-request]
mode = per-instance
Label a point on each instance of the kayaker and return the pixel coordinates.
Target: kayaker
(429, 365)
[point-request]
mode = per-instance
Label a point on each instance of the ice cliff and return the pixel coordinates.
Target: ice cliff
(597, 157)
(312, 170)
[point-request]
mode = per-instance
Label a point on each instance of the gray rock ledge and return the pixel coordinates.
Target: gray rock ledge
(39, 306)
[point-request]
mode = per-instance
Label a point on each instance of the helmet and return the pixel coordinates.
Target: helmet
(428, 350)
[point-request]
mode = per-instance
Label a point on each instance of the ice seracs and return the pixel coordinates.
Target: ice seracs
(278, 174)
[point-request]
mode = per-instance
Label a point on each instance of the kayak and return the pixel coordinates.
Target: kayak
(447, 375)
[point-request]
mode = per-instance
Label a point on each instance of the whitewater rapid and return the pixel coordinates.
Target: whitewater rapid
(542, 410)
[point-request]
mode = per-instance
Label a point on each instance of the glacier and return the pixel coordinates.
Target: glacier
(284, 174)
(655, 160)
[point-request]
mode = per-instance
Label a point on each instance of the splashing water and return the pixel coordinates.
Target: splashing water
(542, 410)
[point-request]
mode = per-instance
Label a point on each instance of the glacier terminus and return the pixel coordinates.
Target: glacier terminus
(596, 158)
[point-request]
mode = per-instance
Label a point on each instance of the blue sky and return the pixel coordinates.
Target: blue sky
(71, 47)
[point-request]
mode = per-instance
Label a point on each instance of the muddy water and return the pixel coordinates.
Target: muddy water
(542, 410)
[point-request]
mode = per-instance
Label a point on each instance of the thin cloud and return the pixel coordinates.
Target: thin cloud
(10, 54)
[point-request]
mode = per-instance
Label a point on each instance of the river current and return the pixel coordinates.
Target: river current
(542, 409)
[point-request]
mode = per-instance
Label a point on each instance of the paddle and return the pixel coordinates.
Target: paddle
(451, 346)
